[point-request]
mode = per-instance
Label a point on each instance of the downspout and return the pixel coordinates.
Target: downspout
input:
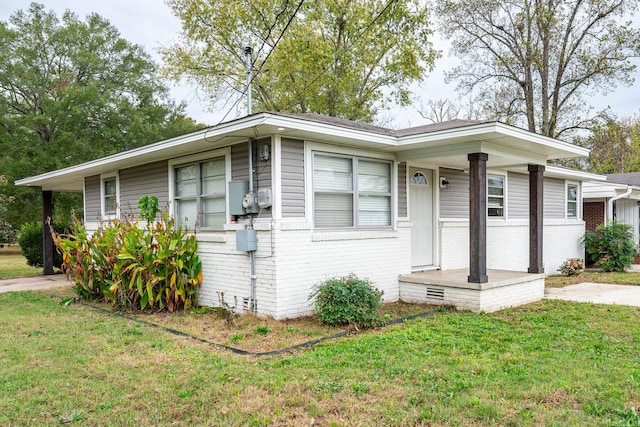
(613, 199)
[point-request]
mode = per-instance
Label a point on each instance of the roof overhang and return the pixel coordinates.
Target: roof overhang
(505, 145)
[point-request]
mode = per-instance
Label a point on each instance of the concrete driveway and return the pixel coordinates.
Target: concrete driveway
(599, 293)
(33, 283)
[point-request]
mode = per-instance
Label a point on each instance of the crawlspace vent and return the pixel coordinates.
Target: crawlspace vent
(435, 293)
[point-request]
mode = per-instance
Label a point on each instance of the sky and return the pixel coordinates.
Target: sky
(151, 24)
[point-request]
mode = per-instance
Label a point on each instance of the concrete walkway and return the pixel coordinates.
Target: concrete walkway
(599, 293)
(33, 283)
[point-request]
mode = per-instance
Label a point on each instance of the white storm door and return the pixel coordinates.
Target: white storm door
(421, 215)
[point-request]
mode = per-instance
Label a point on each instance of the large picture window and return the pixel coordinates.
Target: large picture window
(572, 201)
(200, 194)
(350, 191)
(495, 195)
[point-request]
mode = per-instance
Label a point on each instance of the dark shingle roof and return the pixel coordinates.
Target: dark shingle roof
(629, 178)
(350, 124)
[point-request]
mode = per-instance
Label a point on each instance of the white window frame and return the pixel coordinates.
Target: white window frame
(504, 196)
(577, 201)
(311, 148)
(103, 179)
(200, 158)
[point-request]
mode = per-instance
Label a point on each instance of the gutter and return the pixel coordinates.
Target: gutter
(613, 199)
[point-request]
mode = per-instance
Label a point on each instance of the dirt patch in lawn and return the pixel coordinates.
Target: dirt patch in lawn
(247, 332)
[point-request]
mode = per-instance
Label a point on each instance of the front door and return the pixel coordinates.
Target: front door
(421, 215)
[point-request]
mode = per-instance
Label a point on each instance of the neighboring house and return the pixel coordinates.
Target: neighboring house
(616, 199)
(462, 212)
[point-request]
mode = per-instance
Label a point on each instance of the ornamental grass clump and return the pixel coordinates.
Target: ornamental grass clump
(347, 300)
(572, 267)
(133, 267)
(612, 246)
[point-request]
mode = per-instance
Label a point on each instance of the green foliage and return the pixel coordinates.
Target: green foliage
(572, 267)
(134, 268)
(341, 58)
(7, 233)
(30, 242)
(612, 246)
(534, 63)
(73, 90)
(614, 146)
(347, 300)
(148, 206)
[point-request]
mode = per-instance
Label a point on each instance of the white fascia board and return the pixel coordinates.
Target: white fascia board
(541, 139)
(573, 174)
(495, 128)
(201, 135)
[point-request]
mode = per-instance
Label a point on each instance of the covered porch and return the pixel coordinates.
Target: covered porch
(487, 282)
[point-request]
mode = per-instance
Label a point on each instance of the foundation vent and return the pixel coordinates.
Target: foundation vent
(435, 293)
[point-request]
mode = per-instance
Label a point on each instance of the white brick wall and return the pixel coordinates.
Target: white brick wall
(305, 257)
(488, 300)
(508, 244)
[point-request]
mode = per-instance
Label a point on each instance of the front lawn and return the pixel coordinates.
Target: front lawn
(624, 278)
(14, 264)
(548, 363)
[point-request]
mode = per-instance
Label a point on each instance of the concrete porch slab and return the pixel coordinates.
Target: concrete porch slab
(504, 289)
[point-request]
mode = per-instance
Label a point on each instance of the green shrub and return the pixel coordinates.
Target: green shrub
(347, 300)
(134, 268)
(30, 242)
(612, 246)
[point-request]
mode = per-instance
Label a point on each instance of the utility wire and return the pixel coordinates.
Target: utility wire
(325, 70)
(284, 30)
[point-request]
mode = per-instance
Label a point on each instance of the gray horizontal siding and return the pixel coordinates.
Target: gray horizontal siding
(145, 180)
(262, 168)
(92, 207)
(554, 198)
(292, 186)
(517, 195)
(454, 201)
(402, 190)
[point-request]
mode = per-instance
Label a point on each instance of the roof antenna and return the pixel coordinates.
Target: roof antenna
(247, 57)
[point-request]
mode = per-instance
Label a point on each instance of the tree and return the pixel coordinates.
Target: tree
(535, 61)
(8, 234)
(73, 90)
(343, 58)
(614, 145)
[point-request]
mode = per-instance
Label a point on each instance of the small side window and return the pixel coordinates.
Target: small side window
(572, 201)
(495, 196)
(109, 195)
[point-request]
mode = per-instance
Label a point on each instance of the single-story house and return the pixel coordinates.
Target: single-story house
(462, 212)
(616, 199)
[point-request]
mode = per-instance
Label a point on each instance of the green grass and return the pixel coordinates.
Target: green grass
(549, 363)
(14, 264)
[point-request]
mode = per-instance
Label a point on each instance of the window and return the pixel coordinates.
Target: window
(495, 198)
(109, 195)
(418, 178)
(200, 193)
(572, 201)
(351, 191)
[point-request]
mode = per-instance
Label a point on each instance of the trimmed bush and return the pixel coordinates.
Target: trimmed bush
(347, 301)
(30, 242)
(612, 246)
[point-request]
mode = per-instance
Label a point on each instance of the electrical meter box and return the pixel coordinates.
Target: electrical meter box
(246, 240)
(237, 191)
